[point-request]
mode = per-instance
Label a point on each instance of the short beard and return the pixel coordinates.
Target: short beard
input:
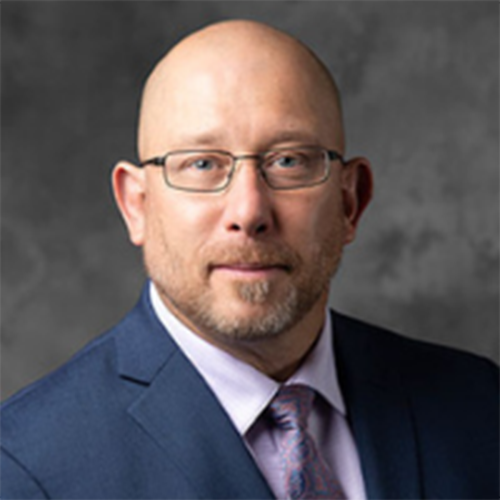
(278, 318)
(195, 303)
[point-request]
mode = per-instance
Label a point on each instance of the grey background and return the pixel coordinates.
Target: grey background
(421, 100)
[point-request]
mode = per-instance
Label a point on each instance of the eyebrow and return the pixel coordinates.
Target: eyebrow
(211, 139)
(202, 139)
(301, 136)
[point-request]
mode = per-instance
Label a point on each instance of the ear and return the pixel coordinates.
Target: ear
(129, 188)
(357, 190)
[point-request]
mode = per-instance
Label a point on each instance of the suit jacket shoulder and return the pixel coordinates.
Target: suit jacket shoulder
(448, 399)
(127, 417)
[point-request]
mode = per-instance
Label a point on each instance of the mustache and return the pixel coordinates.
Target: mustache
(260, 254)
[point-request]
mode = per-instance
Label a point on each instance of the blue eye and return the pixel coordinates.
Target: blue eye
(203, 164)
(287, 161)
(199, 163)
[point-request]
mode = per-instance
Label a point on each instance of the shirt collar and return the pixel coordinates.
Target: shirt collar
(242, 390)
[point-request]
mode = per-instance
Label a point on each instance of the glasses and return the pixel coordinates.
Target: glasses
(209, 171)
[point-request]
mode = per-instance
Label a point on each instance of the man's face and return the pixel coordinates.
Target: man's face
(249, 262)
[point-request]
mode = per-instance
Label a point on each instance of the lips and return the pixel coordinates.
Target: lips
(250, 267)
(250, 260)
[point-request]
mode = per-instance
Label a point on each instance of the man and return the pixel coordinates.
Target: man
(230, 378)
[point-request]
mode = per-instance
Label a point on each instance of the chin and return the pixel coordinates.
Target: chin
(251, 318)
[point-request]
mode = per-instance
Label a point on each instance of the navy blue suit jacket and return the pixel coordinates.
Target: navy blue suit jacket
(129, 417)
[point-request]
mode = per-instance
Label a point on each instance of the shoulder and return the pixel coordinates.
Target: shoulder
(51, 401)
(45, 419)
(91, 381)
(409, 357)
(69, 425)
(65, 432)
(81, 387)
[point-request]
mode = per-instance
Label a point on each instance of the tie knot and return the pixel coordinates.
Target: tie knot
(291, 406)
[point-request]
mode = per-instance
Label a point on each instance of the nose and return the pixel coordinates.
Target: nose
(248, 207)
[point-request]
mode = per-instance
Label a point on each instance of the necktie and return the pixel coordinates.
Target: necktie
(306, 474)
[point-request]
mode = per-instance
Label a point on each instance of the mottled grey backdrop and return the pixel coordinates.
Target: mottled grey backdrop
(421, 99)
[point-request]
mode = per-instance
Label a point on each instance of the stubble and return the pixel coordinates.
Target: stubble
(278, 306)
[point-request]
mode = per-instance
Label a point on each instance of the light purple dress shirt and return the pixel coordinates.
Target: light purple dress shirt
(244, 393)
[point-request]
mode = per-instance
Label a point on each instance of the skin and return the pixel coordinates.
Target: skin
(247, 269)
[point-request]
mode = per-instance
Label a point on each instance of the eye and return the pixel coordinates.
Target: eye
(288, 160)
(202, 164)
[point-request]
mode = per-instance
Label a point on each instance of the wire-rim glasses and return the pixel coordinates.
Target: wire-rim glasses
(211, 170)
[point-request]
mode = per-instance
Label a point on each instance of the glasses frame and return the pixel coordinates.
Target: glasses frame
(160, 161)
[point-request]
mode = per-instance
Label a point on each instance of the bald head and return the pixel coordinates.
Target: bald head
(246, 266)
(230, 64)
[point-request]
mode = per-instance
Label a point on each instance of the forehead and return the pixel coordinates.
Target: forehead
(232, 93)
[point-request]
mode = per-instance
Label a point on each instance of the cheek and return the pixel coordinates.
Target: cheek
(178, 225)
(315, 219)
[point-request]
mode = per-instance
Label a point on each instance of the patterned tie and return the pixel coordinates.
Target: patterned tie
(306, 475)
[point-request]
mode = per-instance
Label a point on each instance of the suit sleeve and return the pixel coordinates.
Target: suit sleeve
(16, 482)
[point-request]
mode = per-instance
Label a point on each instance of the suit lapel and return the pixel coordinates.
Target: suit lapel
(179, 411)
(379, 412)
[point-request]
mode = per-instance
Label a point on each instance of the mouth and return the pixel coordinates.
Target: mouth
(254, 270)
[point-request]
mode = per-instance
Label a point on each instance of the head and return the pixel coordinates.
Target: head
(247, 263)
